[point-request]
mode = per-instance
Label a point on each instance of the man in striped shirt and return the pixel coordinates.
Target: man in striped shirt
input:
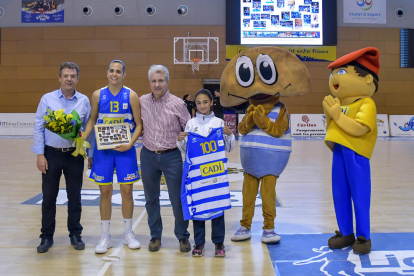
(164, 116)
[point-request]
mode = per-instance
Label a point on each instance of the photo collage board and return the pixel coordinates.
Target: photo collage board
(108, 136)
(281, 22)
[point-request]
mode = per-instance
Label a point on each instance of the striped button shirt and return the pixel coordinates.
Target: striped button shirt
(163, 120)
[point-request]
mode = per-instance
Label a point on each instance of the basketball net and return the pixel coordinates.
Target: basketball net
(196, 64)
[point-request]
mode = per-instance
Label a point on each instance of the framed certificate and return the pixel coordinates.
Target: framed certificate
(108, 136)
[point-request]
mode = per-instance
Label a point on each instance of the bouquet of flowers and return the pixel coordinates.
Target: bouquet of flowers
(68, 127)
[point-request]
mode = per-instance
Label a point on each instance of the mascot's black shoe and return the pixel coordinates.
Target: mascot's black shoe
(340, 241)
(362, 245)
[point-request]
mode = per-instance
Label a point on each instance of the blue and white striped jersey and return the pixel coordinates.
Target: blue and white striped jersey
(205, 191)
(115, 109)
(262, 154)
(257, 138)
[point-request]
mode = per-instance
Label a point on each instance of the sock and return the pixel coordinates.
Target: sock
(127, 224)
(105, 226)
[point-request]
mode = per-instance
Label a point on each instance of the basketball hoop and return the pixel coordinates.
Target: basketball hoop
(196, 64)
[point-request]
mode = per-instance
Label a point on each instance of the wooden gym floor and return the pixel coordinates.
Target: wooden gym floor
(303, 190)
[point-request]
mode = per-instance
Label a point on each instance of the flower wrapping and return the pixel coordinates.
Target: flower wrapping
(68, 127)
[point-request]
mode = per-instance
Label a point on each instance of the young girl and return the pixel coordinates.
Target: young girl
(202, 124)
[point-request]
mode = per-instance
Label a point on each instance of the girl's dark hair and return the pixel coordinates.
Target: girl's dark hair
(185, 97)
(204, 92)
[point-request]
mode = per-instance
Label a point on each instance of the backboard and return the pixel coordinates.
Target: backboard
(204, 48)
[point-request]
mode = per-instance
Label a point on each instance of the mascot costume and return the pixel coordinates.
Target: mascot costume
(259, 76)
(351, 124)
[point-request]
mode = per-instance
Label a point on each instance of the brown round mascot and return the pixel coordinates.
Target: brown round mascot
(261, 75)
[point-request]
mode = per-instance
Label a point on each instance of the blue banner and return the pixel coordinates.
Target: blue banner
(43, 11)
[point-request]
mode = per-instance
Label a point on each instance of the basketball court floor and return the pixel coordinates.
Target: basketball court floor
(305, 220)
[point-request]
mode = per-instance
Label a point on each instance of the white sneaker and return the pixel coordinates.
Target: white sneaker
(130, 240)
(104, 243)
(242, 234)
(270, 236)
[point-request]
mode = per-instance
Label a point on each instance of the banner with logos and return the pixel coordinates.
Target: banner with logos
(230, 120)
(365, 11)
(402, 125)
(304, 53)
(43, 11)
(17, 123)
(240, 118)
(382, 124)
(307, 124)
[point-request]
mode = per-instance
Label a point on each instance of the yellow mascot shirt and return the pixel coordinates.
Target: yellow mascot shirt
(363, 111)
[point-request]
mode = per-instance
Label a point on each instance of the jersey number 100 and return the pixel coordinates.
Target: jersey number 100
(209, 147)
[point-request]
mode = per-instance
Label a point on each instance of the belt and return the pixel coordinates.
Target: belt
(62, 149)
(164, 151)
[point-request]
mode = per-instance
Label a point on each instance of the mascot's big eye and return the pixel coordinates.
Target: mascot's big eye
(244, 71)
(341, 71)
(330, 75)
(266, 69)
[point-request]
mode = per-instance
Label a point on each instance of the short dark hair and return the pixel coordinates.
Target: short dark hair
(117, 61)
(185, 96)
(204, 92)
(362, 72)
(69, 65)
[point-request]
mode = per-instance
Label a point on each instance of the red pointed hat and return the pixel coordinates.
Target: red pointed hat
(367, 58)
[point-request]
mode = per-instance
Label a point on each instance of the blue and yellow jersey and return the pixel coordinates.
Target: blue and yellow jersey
(115, 109)
(364, 112)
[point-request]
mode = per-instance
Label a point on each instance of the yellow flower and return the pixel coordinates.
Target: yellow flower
(52, 124)
(58, 114)
(46, 119)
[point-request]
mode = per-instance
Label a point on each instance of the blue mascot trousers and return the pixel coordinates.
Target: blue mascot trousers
(351, 182)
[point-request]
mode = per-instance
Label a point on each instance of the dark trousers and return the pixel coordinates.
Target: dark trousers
(72, 168)
(152, 165)
(217, 230)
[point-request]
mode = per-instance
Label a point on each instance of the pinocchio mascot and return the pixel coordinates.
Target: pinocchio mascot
(351, 123)
(260, 76)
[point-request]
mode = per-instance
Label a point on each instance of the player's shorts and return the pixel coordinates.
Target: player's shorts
(105, 161)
